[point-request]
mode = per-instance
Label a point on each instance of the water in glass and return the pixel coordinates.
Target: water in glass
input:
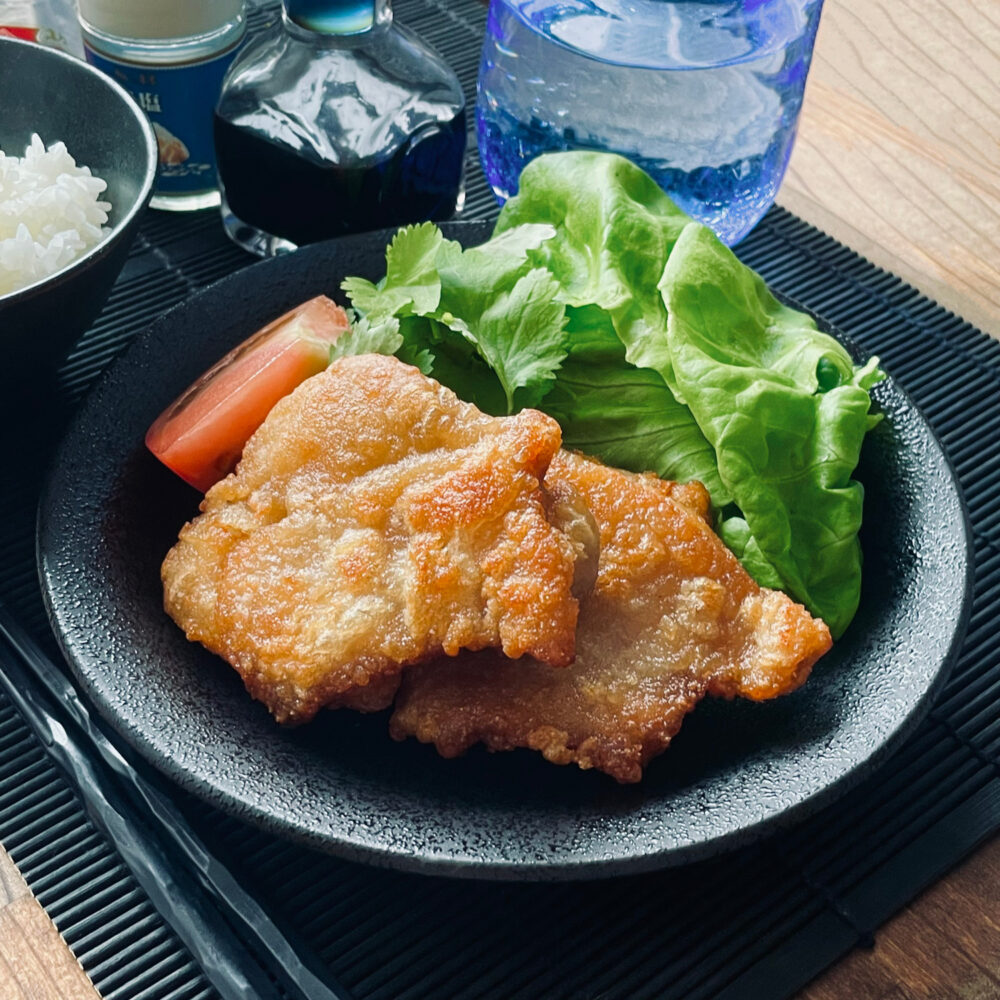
(705, 96)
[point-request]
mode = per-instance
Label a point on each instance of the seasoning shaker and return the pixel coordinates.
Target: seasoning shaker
(171, 55)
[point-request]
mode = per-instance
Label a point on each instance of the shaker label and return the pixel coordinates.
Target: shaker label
(15, 31)
(179, 101)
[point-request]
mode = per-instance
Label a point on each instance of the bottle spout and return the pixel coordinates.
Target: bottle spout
(338, 17)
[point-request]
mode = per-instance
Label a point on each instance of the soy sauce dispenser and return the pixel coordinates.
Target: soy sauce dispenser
(336, 120)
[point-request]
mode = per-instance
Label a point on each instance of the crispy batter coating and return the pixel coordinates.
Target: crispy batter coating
(673, 616)
(374, 521)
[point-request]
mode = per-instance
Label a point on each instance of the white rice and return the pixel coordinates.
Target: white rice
(49, 213)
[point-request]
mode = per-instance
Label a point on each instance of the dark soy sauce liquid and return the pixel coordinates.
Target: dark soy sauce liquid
(281, 192)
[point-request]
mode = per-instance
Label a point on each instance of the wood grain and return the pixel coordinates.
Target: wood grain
(945, 944)
(898, 153)
(35, 963)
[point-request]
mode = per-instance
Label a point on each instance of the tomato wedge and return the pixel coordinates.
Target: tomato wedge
(201, 435)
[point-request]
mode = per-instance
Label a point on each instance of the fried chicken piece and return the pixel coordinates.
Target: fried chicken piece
(375, 520)
(673, 616)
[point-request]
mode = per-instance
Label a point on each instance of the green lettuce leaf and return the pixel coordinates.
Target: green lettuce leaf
(365, 337)
(614, 229)
(411, 285)
(414, 350)
(490, 303)
(508, 311)
(656, 349)
(623, 414)
(786, 411)
(457, 365)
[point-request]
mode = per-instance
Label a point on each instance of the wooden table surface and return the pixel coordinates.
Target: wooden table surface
(898, 157)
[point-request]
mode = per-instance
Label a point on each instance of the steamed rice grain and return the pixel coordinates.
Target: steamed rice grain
(50, 213)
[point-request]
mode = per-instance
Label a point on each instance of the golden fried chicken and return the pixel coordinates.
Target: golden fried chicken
(673, 616)
(374, 521)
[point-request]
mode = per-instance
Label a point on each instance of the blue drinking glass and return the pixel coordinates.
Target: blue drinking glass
(704, 96)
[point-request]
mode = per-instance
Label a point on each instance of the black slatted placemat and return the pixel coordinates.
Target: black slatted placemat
(758, 923)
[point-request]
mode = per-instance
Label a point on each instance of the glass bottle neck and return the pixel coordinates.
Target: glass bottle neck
(334, 18)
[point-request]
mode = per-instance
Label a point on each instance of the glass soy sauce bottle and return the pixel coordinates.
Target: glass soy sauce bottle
(334, 121)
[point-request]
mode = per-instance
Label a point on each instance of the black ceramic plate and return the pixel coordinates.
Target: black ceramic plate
(736, 770)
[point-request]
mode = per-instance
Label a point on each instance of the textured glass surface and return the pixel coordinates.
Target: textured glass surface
(705, 96)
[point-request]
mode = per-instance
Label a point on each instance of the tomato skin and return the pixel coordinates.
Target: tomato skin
(201, 435)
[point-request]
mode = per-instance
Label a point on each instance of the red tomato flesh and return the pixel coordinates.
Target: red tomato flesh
(201, 435)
